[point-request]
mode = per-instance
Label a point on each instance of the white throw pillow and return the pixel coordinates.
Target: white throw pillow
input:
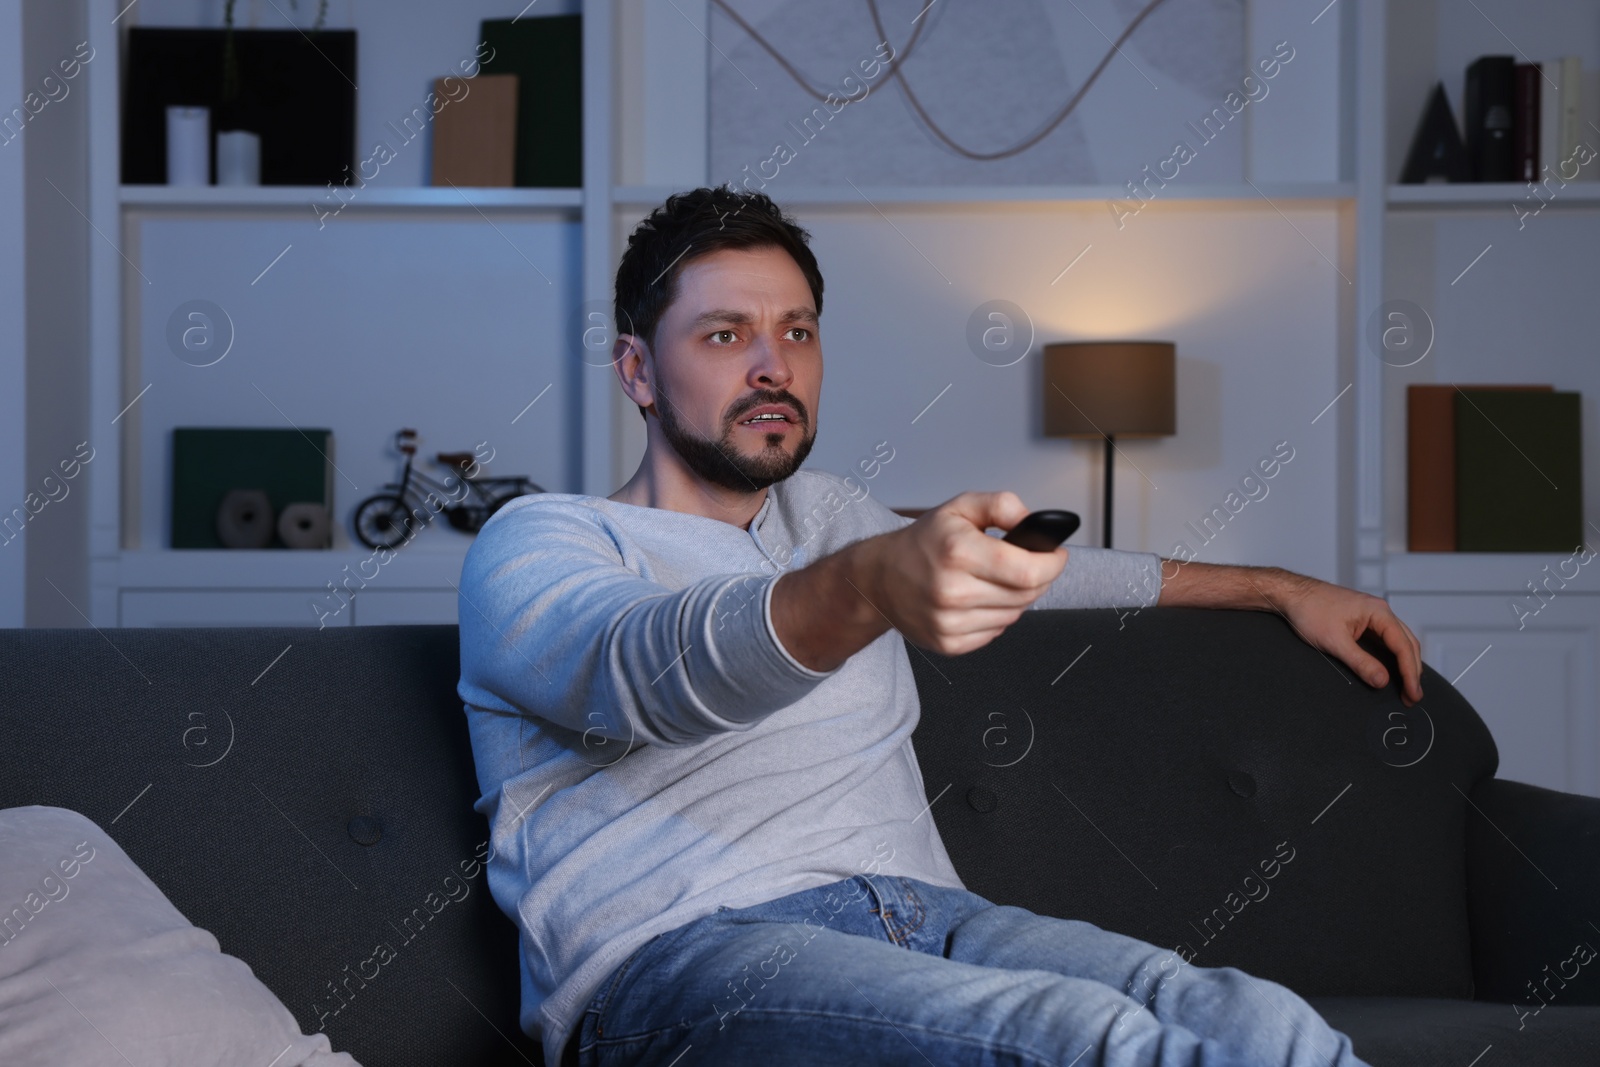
(98, 967)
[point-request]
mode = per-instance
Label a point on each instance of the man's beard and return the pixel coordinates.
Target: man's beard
(720, 462)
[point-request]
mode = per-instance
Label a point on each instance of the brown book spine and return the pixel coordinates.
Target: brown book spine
(475, 131)
(1430, 469)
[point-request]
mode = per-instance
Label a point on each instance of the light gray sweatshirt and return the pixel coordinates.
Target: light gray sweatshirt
(648, 750)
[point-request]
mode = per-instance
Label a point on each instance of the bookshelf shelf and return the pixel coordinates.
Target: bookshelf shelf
(416, 565)
(1476, 573)
(299, 196)
(868, 197)
(1491, 195)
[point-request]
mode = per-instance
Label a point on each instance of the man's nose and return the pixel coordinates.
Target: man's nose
(768, 366)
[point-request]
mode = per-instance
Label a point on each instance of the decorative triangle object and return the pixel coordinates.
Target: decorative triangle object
(1437, 152)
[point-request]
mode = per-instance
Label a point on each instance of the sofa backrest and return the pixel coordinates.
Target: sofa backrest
(306, 797)
(1207, 781)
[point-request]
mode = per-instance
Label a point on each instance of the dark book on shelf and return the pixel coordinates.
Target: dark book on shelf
(546, 55)
(1431, 464)
(295, 89)
(1519, 471)
(290, 465)
(1490, 107)
(1525, 123)
(1437, 152)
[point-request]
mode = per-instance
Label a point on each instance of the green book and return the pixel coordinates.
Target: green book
(291, 465)
(1519, 471)
(546, 55)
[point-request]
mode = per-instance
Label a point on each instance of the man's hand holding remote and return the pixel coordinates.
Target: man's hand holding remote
(941, 581)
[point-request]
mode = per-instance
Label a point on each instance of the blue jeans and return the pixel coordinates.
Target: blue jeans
(882, 969)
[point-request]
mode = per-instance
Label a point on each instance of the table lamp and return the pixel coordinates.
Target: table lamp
(1110, 389)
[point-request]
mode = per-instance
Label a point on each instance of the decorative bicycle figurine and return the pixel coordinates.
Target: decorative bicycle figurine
(388, 519)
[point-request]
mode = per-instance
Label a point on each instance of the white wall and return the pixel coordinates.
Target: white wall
(43, 315)
(1253, 306)
(13, 387)
(55, 146)
(1253, 310)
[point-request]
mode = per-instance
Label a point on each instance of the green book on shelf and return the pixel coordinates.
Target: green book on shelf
(546, 55)
(291, 465)
(1519, 471)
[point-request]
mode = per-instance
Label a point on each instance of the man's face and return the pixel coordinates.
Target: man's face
(739, 368)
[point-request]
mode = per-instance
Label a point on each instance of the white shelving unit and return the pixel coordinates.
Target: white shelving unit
(134, 581)
(1398, 243)
(867, 197)
(1492, 283)
(298, 196)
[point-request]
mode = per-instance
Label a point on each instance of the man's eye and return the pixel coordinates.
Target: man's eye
(800, 333)
(724, 337)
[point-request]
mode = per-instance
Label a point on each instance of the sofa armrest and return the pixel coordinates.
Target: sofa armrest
(1533, 882)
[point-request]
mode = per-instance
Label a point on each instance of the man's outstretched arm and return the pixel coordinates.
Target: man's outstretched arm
(1326, 616)
(947, 586)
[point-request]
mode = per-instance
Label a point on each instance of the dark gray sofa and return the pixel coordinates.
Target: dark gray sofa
(1200, 779)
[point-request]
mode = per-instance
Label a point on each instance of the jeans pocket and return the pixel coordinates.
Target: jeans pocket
(608, 988)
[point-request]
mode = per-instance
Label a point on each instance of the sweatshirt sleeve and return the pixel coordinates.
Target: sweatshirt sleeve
(554, 624)
(1092, 578)
(1104, 578)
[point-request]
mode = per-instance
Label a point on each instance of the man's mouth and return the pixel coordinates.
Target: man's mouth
(768, 416)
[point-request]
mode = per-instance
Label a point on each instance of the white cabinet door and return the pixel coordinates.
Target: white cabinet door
(1533, 686)
(223, 607)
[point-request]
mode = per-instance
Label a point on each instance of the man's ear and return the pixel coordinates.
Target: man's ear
(630, 356)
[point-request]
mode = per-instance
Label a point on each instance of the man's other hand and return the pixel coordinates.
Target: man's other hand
(1331, 618)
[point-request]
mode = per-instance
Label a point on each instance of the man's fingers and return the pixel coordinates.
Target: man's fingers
(1407, 651)
(1003, 509)
(1366, 666)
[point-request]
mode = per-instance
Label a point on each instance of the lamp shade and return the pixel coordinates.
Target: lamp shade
(1110, 388)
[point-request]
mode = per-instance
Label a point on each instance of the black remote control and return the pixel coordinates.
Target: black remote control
(1043, 531)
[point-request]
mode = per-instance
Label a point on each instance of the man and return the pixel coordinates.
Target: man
(691, 710)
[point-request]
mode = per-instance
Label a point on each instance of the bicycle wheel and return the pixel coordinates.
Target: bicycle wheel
(384, 521)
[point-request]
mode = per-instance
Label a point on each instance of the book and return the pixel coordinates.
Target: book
(1431, 464)
(1525, 123)
(1549, 119)
(291, 465)
(1490, 103)
(1519, 477)
(1571, 114)
(475, 133)
(546, 55)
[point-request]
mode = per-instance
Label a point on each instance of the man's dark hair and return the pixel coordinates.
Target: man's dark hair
(688, 226)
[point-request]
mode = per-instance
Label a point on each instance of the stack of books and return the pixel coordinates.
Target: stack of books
(1522, 122)
(1493, 468)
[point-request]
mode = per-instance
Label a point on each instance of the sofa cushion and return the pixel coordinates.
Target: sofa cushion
(1407, 1032)
(98, 967)
(305, 796)
(1207, 781)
